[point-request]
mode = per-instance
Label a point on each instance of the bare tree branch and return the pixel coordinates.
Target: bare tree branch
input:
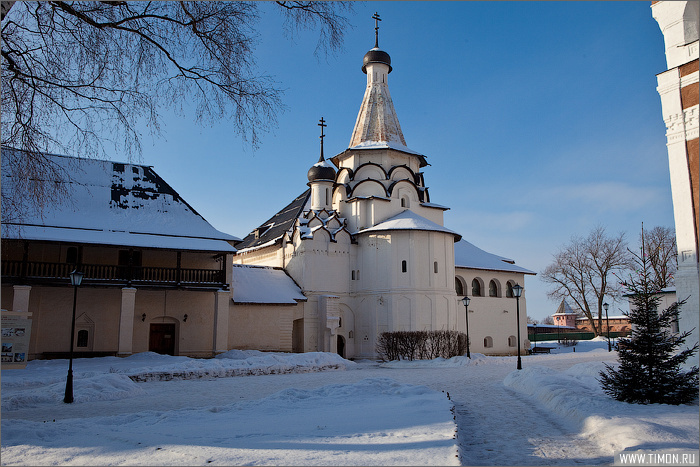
(79, 75)
(581, 271)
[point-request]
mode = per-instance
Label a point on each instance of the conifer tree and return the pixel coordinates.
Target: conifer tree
(650, 370)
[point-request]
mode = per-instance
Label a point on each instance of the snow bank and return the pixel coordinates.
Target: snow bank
(111, 378)
(477, 359)
(576, 396)
(376, 421)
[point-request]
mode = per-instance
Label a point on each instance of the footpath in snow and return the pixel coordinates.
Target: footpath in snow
(319, 409)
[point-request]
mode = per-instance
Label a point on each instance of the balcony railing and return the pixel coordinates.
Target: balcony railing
(115, 275)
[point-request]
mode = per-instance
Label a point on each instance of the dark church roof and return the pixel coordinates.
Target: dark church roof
(275, 227)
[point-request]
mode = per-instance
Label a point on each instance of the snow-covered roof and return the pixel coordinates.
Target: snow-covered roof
(264, 285)
(472, 257)
(115, 204)
(435, 205)
(385, 145)
(409, 220)
(552, 326)
(584, 318)
(274, 228)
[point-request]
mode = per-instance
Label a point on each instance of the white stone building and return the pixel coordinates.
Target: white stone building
(370, 252)
(363, 250)
(678, 89)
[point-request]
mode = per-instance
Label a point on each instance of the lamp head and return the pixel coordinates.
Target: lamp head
(76, 277)
(466, 301)
(517, 290)
(605, 305)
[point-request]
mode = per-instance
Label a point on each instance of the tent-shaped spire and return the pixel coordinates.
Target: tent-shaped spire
(377, 121)
(564, 308)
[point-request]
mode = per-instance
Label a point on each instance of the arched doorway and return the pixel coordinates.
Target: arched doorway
(341, 346)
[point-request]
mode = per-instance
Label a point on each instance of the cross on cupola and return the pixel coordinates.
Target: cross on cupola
(377, 19)
(322, 124)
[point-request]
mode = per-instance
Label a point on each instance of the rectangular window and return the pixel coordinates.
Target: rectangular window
(404, 266)
(435, 267)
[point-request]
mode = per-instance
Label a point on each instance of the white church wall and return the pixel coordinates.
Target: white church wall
(492, 317)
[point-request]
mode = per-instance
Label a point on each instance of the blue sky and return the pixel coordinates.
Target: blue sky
(540, 121)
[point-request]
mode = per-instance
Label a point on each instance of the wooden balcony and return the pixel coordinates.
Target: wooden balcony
(33, 272)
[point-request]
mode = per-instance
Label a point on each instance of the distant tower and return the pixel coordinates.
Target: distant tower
(678, 88)
(321, 179)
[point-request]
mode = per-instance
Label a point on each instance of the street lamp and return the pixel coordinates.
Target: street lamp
(76, 278)
(466, 301)
(517, 291)
(607, 324)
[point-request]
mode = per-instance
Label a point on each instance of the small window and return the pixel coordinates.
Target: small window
(509, 290)
(72, 255)
(488, 342)
(404, 201)
(493, 289)
(404, 266)
(511, 341)
(82, 338)
(435, 267)
(352, 274)
(459, 288)
(476, 288)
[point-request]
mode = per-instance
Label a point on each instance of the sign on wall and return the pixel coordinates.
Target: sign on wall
(16, 331)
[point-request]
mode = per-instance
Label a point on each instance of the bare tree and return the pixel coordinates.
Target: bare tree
(548, 320)
(659, 245)
(581, 270)
(79, 75)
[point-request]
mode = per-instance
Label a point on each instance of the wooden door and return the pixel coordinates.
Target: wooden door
(162, 338)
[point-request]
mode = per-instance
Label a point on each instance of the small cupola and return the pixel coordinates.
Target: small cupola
(375, 54)
(321, 177)
(321, 170)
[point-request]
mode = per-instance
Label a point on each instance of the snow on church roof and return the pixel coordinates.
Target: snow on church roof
(409, 220)
(472, 257)
(113, 203)
(275, 227)
(385, 145)
(264, 285)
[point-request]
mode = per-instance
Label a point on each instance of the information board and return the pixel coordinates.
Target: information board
(16, 331)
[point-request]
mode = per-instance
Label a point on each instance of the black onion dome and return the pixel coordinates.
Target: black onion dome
(376, 55)
(321, 170)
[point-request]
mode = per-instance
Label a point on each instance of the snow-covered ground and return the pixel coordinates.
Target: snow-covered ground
(250, 407)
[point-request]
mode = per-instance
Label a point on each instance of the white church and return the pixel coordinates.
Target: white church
(361, 251)
(370, 252)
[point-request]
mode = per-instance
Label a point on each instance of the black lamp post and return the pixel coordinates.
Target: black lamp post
(607, 324)
(517, 291)
(466, 301)
(75, 279)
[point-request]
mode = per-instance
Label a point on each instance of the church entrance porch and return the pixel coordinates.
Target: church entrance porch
(162, 338)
